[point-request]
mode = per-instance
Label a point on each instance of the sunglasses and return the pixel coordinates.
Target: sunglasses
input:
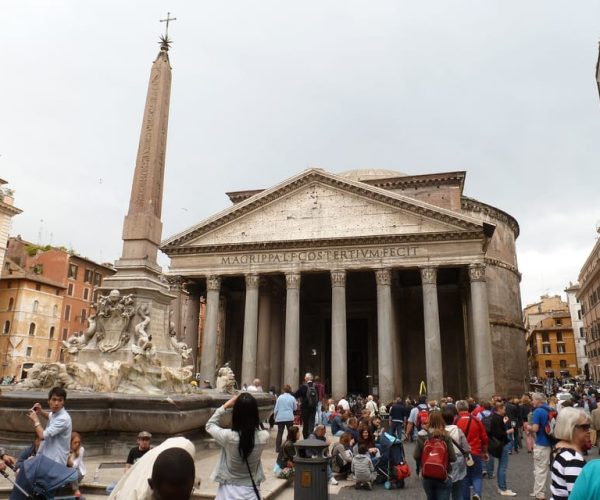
(584, 427)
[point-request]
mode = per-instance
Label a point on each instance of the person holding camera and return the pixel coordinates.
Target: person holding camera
(5, 460)
(56, 437)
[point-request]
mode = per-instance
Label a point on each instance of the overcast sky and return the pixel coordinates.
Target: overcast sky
(262, 90)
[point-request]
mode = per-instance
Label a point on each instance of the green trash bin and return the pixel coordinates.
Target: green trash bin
(310, 481)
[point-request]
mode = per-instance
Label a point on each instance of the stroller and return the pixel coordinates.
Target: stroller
(39, 478)
(392, 468)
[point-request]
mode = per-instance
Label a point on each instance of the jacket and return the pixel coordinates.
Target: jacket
(231, 469)
(477, 437)
(498, 428)
(363, 468)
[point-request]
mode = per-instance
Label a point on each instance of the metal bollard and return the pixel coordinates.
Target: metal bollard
(310, 482)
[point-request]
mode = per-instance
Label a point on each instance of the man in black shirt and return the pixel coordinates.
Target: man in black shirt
(308, 407)
(137, 452)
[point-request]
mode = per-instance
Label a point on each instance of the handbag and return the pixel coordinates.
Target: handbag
(252, 479)
(495, 447)
(467, 454)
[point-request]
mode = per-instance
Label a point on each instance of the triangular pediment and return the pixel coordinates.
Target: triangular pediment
(318, 205)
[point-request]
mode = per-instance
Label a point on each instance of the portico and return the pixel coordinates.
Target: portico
(370, 289)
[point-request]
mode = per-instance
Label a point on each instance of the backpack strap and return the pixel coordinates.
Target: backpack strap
(252, 479)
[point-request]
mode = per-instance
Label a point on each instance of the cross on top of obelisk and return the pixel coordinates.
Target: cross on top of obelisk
(167, 21)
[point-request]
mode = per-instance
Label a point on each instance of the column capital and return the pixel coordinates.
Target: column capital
(477, 271)
(383, 276)
(177, 282)
(252, 281)
(213, 282)
(429, 275)
(338, 277)
(292, 280)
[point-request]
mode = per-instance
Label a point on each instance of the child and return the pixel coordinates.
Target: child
(75, 460)
(363, 469)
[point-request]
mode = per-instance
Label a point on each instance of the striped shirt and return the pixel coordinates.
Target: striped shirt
(565, 469)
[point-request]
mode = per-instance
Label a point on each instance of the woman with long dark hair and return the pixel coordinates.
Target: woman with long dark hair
(239, 471)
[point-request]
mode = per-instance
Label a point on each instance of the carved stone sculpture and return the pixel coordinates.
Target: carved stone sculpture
(142, 346)
(178, 346)
(225, 379)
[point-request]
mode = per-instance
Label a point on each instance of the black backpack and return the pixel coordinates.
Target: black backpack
(312, 396)
(487, 423)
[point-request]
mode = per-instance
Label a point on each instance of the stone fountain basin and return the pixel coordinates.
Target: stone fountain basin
(109, 422)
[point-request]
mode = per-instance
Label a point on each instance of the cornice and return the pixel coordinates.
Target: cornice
(329, 242)
(416, 181)
(495, 213)
(509, 324)
(9, 209)
(238, 196)
(318, 176)
(503, 265)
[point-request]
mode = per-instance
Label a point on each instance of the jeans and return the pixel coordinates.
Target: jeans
(489, 466)
(457, 489)
(436, 489)
(396, 427)
(279, 438)
(473, 478)
(502, 465)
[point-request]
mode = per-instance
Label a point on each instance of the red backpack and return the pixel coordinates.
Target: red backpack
(434, 459)
(422, 418)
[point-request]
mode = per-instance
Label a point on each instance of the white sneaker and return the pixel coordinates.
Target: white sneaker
(333, 481)
(507, 493)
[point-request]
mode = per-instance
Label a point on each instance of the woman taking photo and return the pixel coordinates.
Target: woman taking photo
(573, 430)
(239, 471)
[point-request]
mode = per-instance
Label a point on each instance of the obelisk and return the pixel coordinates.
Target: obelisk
(137, 270)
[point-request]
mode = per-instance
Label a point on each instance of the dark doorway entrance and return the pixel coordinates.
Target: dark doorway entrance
(358, 355)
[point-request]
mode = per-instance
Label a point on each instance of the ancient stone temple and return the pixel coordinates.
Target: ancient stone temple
(373, 279)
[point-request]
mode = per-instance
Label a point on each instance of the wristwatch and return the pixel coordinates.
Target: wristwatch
(2, 453)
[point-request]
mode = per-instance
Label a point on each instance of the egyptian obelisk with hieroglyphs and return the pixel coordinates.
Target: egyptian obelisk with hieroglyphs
(138, 273)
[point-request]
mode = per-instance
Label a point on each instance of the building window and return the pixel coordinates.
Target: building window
(38, 287)
(558, 322)
(73, 271)
(11, 304)
(70, 289)
(579, 314)
(88, 276)
(546, 349)
(67, 312)
(563, 363)
(83, 315)
(545, 337)
(55, 310)
(559, 337)
(31, 329)
(86, 293)
(6, 327)
(28, 352)
(49, 353)
(561, 348)
(548, 363)
(51, 332)
(36, 304)
(65, 333)
(581, 334)
(95, 296)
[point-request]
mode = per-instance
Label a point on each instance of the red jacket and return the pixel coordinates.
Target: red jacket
(477, 437)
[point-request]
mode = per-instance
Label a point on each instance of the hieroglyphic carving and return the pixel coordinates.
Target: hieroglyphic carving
(338, 278)
(292, 280)
(429, 275)
(383, 277)
(477, 272)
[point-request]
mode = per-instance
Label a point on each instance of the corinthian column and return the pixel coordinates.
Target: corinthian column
(339, 361)
(433, 344)
(385, 354)
(291, 364)
(209, 343)
(250, 329)
(263, 354)
(482, 361)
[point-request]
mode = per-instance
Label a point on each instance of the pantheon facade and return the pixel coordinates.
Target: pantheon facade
(377, 281)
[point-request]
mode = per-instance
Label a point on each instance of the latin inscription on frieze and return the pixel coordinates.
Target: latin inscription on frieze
(324, 256)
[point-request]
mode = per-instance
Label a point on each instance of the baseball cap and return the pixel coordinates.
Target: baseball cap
(144, 434)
